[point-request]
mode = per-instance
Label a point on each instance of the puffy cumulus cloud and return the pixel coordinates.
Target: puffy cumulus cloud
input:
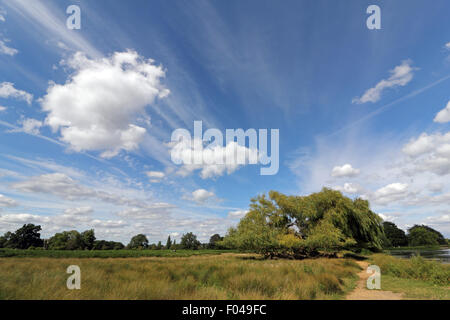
(7, 202)
(390, 193)
(344, 171)
(214, 161)
(237, 214)
(7, 50)
(7, 91)
(200, 196)
(401, 75)
(443, 116)
(97, 108)
(431, 152)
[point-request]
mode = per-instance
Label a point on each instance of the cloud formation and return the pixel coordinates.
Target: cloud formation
(100, 104)
(7, 91)
(344, 171)
(443, 116)
(401, 75)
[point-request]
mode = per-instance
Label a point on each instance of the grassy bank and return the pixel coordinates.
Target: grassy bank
(105, 253)
(226, 276)
(416, 277)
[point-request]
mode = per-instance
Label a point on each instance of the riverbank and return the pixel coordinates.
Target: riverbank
(416, 278)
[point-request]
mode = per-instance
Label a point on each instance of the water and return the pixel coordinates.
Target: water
(442, 254)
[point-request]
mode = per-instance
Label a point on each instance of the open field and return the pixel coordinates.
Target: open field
(205, 274)
(226, 276)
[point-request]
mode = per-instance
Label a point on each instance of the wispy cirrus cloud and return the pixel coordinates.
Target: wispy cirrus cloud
(400, 76)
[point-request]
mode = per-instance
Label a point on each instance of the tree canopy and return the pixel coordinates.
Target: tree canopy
(421, 235)
(189, 241)
(299, 226)
(24, 237)
(395, 237)
(139, 241)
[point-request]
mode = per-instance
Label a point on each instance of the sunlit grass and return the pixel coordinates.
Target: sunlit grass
(227, 276)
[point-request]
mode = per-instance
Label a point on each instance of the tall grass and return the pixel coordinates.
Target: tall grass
(414, 268)
(228, 276)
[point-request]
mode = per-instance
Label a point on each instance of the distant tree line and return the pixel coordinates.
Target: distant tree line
(29, 237)
(418, 235)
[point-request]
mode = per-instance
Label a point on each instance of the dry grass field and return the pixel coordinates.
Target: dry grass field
(225, 276)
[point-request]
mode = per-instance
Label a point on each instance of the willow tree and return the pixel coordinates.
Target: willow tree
(299, 226)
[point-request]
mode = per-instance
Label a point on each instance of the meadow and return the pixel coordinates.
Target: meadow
(225, 276)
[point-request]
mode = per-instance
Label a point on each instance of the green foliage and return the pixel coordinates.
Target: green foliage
(420, 235)
(189, 241)
(395, 237)
(88, 239)
(23, 238)
(214, 241)
(168, 243)
(139, 241)
(296, 226)
(107, 245)
(66, 240)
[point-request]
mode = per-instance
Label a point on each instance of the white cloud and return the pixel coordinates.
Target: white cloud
(151, 211)
(7, 90)
(200, 196)
(31, 126)
(216, 160)
(431, 151)
(155, 176)
(97, 108)
(390, 193)
(401, 75)
(7, 50)
(20, 218)
(447, 46)
(55, 183)
(349, 188)
(65, 187)
(81, 211)
(7, 202)
(237, 214)
(344, 171)
(2, 108)
(2, 15)
(443, 116)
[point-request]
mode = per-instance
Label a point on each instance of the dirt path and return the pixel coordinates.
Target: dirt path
(362, 293)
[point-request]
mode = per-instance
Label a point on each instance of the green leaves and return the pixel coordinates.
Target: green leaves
(326, 220)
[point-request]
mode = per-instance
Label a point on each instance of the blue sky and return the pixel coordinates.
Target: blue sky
(87, 115)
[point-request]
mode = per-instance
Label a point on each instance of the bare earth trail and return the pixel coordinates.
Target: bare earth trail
(362, 293)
